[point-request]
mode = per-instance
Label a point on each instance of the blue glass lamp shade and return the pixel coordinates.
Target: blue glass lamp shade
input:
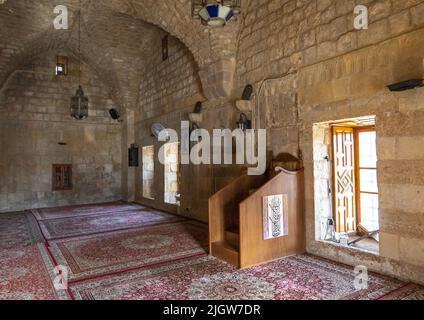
(216, 15)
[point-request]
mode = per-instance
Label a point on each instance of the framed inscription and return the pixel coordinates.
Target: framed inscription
(275, 217)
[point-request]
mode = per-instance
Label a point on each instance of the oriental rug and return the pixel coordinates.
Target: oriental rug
(108, 253)
(103, 222)
(162, 261)
(410, 291)
(27, 273)
(83, 210)
(18, 229)
(205, 278)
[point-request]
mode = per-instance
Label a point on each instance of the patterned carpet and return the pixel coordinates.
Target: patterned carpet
(18, 229)
(118, 251)
(60, 228)
(206, 278)
(86, 210)
(123, 251)
(408, 292)
(26, 270)
(26, 273)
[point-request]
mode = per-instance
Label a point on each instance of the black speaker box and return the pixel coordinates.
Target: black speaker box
(406, 85)
(114, 114)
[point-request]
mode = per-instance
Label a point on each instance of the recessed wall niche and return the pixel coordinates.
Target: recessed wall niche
(61, 65)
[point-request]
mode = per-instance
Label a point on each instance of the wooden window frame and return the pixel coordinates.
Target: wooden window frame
(336, 218)
(358, 169)
(63, 168)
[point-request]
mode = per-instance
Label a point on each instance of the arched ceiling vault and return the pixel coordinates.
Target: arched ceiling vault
(117, 37)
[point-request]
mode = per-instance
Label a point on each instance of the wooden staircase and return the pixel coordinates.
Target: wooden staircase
(236, 220)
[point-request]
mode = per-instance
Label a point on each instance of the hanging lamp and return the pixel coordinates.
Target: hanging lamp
(215, 13)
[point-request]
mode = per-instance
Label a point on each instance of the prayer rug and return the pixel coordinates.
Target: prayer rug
(205, 278)
(99, 255)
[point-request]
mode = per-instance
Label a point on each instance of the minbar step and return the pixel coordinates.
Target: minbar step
(232, 236)
(225, 251)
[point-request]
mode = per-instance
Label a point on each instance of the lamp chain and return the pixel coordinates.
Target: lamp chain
(79, 44)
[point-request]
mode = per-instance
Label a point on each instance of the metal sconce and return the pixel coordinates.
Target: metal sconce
(196, 117)
(244, 123)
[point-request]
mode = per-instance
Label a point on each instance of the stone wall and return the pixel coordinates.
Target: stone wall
(34, 108)
(168, 85)
(168, 93)
(309, 65)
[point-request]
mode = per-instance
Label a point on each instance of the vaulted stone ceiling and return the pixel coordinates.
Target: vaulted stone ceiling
(113, 45)
(117, 37)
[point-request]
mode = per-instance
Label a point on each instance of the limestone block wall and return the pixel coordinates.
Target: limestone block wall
(309, 65)
(34, 109)
(166, 85)
(168, 93)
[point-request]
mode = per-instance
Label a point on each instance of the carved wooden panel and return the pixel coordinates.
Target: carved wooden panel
(344, 179)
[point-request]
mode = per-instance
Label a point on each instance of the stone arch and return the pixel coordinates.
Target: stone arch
(216, 60)
(45, 43)
(175, 18)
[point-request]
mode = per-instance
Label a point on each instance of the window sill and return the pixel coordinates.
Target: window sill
(148, 198)
(354, 248)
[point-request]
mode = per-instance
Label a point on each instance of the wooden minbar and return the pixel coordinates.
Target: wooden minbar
(236, 220)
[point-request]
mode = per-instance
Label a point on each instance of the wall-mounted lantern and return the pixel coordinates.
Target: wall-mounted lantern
(244, 123)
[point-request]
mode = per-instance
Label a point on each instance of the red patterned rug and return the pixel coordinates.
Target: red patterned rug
(99, 255)
(27, 273)
(408, 292)
(18, 229)
(206, 278)
(162, 261)
(103, 222)
(83, 210)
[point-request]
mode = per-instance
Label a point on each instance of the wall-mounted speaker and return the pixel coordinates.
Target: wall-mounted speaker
(247, 93)
(198, 107)
(133, 158)
(406, 85)
(114, 114)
